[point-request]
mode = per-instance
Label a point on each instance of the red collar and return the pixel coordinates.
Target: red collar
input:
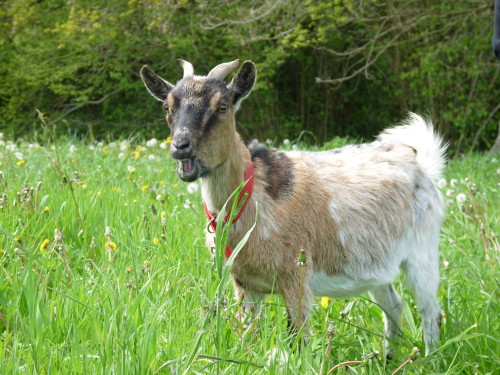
(247, 189)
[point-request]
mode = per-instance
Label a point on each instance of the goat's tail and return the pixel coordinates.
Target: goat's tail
(419, 134)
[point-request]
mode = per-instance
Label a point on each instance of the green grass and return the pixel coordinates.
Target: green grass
(82, 305)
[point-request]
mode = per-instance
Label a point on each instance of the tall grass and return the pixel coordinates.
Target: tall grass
(104, 270)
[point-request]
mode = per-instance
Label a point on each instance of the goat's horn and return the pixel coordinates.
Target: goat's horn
(188, 68)
(222, 70)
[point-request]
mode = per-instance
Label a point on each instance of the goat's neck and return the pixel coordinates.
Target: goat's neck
(224, 179)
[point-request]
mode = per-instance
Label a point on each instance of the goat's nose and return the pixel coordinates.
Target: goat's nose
(182, 144)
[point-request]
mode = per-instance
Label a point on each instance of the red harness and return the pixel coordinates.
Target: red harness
(247, 189)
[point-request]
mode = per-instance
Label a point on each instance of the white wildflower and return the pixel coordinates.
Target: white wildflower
(121, 155)
(124, 145)
(187, 203)
(18, 155)
(72, 148)
(2, 143)
(494, 160)
(151, 157)
(91, 147)
(163, 146)
(268, 141)
(192, 188)
(130, 169)
(152, 142)
(442, 183)
(295, 147)
(446, 263)
(100, 144)
(286, 142)
(159, 198)
(107, 232)
(112, 144)
(453, 182)
(449, 192)
(11, 147)
(461, 198)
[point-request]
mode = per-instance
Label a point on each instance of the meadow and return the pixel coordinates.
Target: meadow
(104, 270)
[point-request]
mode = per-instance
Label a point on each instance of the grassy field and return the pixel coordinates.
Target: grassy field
(104, 270)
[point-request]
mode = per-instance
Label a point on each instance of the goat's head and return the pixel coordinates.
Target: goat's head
(200, 113)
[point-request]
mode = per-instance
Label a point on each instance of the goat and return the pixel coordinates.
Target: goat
(361, 212)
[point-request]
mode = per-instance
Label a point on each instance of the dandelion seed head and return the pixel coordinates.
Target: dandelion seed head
(124, 145)
(461, 198)
(295, 147)
(152, 142)
(130, 169)
(151, 157)
(442, 183)
(72, 148)
(192, 188)
(286, 142)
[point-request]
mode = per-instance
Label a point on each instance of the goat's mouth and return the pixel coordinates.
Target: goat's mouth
(189, 169)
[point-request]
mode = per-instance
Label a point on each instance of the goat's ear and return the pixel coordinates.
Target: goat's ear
(156, 85)
(242, 83)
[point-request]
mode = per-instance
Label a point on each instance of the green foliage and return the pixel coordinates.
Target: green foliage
(78, 63)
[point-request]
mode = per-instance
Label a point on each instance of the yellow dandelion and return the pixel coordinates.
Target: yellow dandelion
(1, 163)
(84, 186)
(44, 245)
(46, 209)
(140, 148)
(168, 140)
(324, 302)
(105, 150)
(115, 189)
(145, 187)
(136, 154)
(161, 182)
(162, 214)
(20, 163)
(73, 160)
(110, 246)
(156, 241)
(2, 251)
(130, 269)
(18, 238)
(176, 185)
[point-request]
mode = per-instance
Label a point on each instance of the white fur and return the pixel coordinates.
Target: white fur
(418, 133)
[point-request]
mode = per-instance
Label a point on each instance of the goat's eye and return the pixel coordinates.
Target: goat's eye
(222, 108)
(167, 109)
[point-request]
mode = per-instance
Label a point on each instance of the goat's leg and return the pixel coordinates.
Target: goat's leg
(387, 298)
(250, 305)
(422, 278)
